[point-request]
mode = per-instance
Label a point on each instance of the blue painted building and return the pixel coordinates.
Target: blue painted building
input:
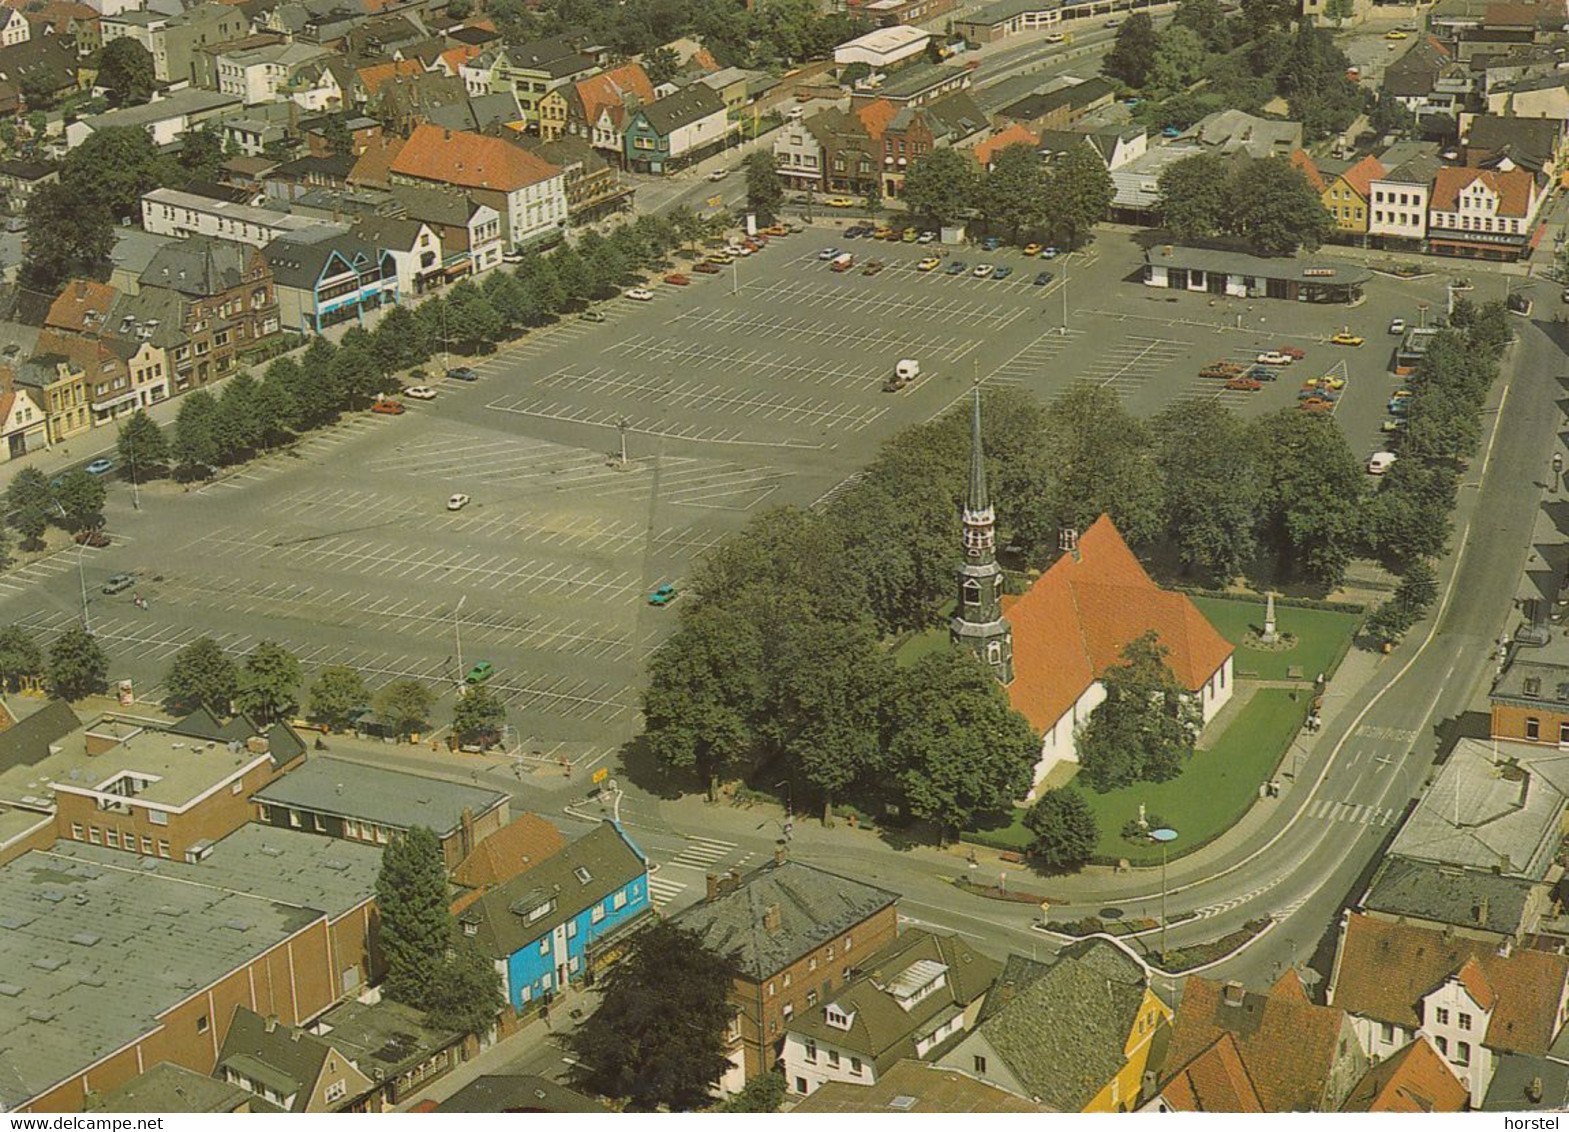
(566, 917)
(676, 130)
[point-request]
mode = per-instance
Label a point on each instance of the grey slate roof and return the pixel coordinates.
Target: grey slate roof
(282, 742)
(1465, 898)
(173, 1088)
(27, 742)
(477, 113)
(814, 905)
(668, 114)
(396, 233)
(435, 206)
(198, 266)
(383, 1039)
(187, 101)
(1515, 1080)
(1062, 1028)
(1004, 10)
(298, 260)
(385, 797)
(555, 57)
(1074, 95)
(500, 916)
(1529, 142)
(911, 81)
(284, 1059)
(517, 1092)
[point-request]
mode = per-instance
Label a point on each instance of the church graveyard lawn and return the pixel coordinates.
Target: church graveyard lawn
(1322, 637)
(1211, 794)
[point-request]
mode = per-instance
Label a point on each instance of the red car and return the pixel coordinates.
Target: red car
(1247, 384)
(706, 268)
(676, 278)
(391, 408)
(1295, 353)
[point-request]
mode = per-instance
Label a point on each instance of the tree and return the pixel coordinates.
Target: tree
(1078, 194)
(1339, 10)
(628, 1048)
(477, 713)
(873, 203)
(1194, 200)
(1180, 59)
(238, 426)
(20, 657)
(956, 748)
(1208, 19)
(81, 497)
(70, 231)
(1145, 729)
(283, 390)
(1132, 57)
(1211, 477)
(335, 131)
(77, 666)
(39, 90)
(338, 695)
(416, 923)
(465, 991)
(1015, 188)
(1312, 486)
(125, 68)
(1312, 77)
(398, 341)
(762, 1093)
(1390, 116)
(29, 500)
(661, 65)
(1418, 589)
(202, 676)
(143, 448)
(941, 185)
(201, 152)
(1409, 517)
(115, 166)
(353, 377)
(269, 682)
(1063, 828)
(321, 395)
(196, 433)
(1275, 209)
(764, 192)
(573, 271)
(404, 705)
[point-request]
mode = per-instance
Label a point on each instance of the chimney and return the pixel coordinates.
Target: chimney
(257, 745)
(1481, 911)
(468, 830)
(1005, 992)
(1231, 994)
(772, 919)
(713, 885)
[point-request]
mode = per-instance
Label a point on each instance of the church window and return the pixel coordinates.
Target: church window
(972, 592)
(994, 652)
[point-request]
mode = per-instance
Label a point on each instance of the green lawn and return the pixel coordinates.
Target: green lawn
(921, 644)
(1321, 636)
(1214, 791)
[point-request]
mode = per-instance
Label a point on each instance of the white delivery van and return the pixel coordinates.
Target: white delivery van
(904, 372)
(1378, 463)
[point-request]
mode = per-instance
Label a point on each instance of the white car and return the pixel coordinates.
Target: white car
(926, 237)
(457, 502)
(740, 251)
(983, 271)
(1056, 37)
(827, 254)
(420, 393)
(1273, 358)
(1397, 326)
(719, 174)
(641, 294)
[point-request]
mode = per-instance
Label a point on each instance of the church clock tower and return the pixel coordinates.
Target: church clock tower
(978, 623)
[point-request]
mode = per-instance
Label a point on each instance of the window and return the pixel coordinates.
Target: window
(76, 831)
(1465, 1021)
(811, 998)
(855, 1067)
(1462, 1053)
(163, 848)
(1386, 1033)
(788, 1012)
(620, 901)
(112, 838)
(800, 1085)
(1443, 1045)
(787, 980)
(572, 929)
(811, 1052)
(202, 1024)
(1533, 727)
(147, 845)
(979, 1063)
(294, 819)
(1443, 1016)
(811, 964)
(770, 990)
(335, 1091)
(847, 943)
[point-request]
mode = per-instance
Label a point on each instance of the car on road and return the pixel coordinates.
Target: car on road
(1273, 358)
(840, 202)
(1114, 22)
(873, 266)
(598, 316)
(1246, 383)
(719, 174)
(882, 232)
(1397, 326)
(957, 267)
(1565, 295)
(1043, 277)
(420, 393)
(777, 230)
(663, 595)
(675, 278)
(457, 501)
(100, 467)
(463, 373)
(704, 268)
(1032, 249)
(1346, 338)
(1395, 33)
(827, 254)
(930, 263)
(641, 294)
(119, 583)
(1056, 37)
(1002, 272)
(93, 536)
(983, 271)
(388, 406)
(1398, 406)
(481, 672)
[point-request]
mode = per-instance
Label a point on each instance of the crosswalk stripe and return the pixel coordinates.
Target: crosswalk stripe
(711, 841)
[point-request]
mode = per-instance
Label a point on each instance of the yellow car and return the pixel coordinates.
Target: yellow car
(840, 202)
(928, 264)
(1032, 249)
(1400, 394)
(1330, 381)
(720, 257)
(1396, 34)
(881, 232)
(1346, 338)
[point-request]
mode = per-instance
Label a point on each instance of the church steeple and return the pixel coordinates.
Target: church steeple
(978, 623)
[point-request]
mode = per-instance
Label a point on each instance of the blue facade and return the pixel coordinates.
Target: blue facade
(647, 150)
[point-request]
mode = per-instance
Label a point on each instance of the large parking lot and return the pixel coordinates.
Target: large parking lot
(756, 386)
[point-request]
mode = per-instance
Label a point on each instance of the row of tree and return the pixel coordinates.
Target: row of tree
(1017, 192)
(75, 501)
(1268, 203)
(75, 666)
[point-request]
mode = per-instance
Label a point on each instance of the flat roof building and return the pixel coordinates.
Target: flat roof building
(1219, 271)
(884, 47)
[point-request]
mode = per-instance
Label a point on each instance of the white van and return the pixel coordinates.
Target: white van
(904, 372)
(1378, 463)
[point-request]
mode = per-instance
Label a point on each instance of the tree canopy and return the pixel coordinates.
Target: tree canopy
(1145, 728)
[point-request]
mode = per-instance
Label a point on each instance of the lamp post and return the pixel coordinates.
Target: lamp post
(1165, 837)
(457, 635)
(81, 577)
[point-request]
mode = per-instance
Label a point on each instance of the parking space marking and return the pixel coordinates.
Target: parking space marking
(1029, 362)
(685, 353)
(1128, 364)
(889, 305)
(757, 325)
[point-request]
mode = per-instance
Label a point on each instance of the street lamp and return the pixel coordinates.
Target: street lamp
(789, 800)
(81, 577)
(457, 635)
(1165, 837)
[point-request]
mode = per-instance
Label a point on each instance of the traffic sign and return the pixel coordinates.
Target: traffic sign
(601, 774)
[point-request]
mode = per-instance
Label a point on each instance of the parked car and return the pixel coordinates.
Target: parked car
(641, 294)
(1049, 253)
(1261, 373)
(1346, 338)
(457, 501)
(1397, 326)
(910, 235)
(1312, 393)
(598, 316)
(1002, 272)
(1273, 358)
(93, 536)
(827, 254)
(957, 267)
(930, 263)
(721, 258)
(983, 271)
(927, 237)
(1245, 383)
(100, 467)
(119, 583)
(1056, 37)
(420, 393)
(388, 406)
(675, 278)
(1032, 250)
(873, 266)
(1295, 353)
(991, 243)
(841, 202)
(1043, 277)
(1378, 463)
(663, 595)
(481, 672)
(777, 230)
(706, 268)
(1221, 369)
(462, 373)
(854, 232)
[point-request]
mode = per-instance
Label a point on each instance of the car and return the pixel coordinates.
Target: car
(1032, 250)
(983, 271)
(1332, 381)
(827, 254)
(462, 373)
(1273, 358)
(910, 235)
(1321, 394)
(721, 258)
(662, 595)
(1002, 272)
(513, 257)
(854, 232)
(1378, 463)
(1261, 373)
(1398, 405)
(388, 406)
(873, 266)
(676, 279)
(457, 501)
(1246, 383)
(957, 267)
(1316, 405)
(739, 251)
(1170, 132)
(641, 294)
(1221, 369)
(1391, 426)
(882, 232)
(1043, 277)
(777, 230)
(930, 263)
(1565, 295)
(481, 672)
(93, 536)
(100, 467)
(841, 202)
(1345, 338)
(1402, 394)
(1395, 33)
(1056, 37)
(1295, 353)
(992, 243)
(927, 237)
(119, 583)
(1397, 326)
(420, 393)
(719, 174)
(1049, 253)
(598, 316)
(1114, 22)
(706, 268)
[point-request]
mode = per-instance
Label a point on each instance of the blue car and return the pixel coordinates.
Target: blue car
(100, 467)
(1002, 272)
(462, 373)
(957, 267)
(662, 596)
(992, 243)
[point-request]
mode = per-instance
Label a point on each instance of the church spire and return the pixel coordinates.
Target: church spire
(978, 623)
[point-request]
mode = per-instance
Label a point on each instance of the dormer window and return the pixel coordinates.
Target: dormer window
(837, 1017)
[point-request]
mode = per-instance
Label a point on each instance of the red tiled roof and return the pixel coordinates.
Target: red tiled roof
(875, 116)
(81, 307)
(1384, 970)
(1213, 1081)
(1474, 979)
(701, 61)
(1417, 1079)
(1514, 188)
(612, 88)
(520, 844)
(1303, 160)
(378, 73)
(1362, 175)
(373, 165)
(1287, 1044)
(473, 161)
(455, 57)
(1073, 623)
(1015, 134)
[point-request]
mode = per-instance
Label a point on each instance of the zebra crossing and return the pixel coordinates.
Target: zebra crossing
(662, 890)
(1350, 813)
(702, 854)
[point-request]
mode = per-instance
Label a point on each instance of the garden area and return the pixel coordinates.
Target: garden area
(1322, 637)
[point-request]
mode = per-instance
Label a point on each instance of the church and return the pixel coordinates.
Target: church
(1050, 646)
